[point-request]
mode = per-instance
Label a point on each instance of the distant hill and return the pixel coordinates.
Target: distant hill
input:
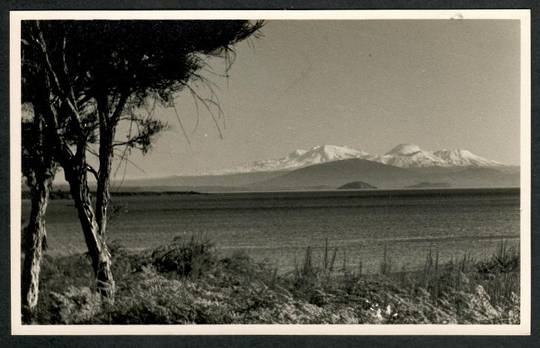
(339, 173)
(357, 185)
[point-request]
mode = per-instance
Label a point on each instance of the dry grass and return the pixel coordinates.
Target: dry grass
(187, 282)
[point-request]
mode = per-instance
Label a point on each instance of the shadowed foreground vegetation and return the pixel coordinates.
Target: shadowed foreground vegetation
(188, 282)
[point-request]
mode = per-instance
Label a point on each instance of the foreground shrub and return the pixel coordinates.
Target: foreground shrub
(185, 257)
(187, 282)
(75, 306)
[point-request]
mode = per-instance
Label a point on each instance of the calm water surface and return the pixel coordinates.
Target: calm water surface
(279, 226)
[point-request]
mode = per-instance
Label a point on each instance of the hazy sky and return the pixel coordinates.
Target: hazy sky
(367, 84)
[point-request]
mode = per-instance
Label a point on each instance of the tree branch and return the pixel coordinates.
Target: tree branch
(43, 44)
(92, 170)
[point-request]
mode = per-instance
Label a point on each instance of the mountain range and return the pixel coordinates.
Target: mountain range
(403, 156)
(330, 167)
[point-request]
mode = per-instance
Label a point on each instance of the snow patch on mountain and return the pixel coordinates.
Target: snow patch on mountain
(303, 158)
(410, 155)
(458, 157)
(404, 150)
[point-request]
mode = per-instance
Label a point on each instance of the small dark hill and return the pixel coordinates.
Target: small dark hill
(357, 185)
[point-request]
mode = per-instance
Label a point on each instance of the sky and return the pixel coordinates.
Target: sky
(369, 85)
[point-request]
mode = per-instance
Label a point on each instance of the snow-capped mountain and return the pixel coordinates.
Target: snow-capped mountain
(459, 157)
(303, 158)
(403, 155)
(410, 155)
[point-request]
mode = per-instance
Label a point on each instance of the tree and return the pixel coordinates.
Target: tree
(38, 168)
(83, 78)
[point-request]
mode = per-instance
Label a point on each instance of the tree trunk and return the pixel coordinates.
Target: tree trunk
(97, 247)
(103, 195)
(34, 240)
(39, 169)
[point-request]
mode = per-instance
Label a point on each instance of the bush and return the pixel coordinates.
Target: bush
(191, 257)
(77, 305)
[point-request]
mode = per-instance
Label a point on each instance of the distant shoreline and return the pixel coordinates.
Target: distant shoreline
(381, 192)
(61, 194)
(66, 195)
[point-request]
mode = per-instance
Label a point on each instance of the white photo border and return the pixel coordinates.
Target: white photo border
(524, 328)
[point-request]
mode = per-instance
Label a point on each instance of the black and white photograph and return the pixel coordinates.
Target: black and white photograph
(270, 172)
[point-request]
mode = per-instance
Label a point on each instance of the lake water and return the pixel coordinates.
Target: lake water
(279, 226)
